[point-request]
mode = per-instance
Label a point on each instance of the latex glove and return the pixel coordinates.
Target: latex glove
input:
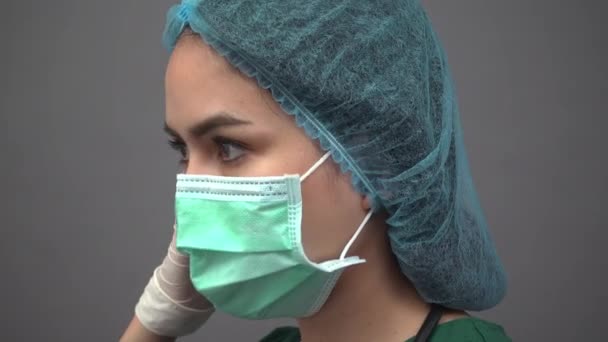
(169, 305)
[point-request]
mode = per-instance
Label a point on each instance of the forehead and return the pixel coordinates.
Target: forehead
(191, 52)
(198, 82)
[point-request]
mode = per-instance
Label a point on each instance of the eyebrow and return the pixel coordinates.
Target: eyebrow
(217, 120)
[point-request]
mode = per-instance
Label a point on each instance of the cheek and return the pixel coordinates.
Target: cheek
(331, 214)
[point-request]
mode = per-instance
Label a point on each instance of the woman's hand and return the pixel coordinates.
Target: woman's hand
(169, 305)
(137, 333)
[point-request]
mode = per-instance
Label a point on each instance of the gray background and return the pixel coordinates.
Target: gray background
(87, 180)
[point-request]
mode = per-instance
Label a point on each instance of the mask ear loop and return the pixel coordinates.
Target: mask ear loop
(315, 166)
(357, 232)
(367, 217)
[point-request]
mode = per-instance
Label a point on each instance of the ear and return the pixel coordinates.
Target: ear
(365, 203)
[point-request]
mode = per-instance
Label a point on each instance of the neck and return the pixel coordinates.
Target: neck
(371, 301)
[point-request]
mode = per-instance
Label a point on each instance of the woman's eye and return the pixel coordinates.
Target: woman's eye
(229, 151)
(181, 148)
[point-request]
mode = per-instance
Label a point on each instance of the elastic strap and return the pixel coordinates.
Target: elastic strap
(429, 324)
(357, 232)
(367, 217)
(315, 166)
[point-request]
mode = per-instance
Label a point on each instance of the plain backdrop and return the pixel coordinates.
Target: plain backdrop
(87, 180)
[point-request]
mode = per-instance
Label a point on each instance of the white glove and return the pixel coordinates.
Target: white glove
(169, 305)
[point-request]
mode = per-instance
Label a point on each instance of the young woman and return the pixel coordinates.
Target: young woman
(324, 177)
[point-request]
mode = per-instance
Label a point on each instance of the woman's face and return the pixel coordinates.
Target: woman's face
(224, 124)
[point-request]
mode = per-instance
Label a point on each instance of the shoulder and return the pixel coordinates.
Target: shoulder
(283, 334)
(467, 329)
(470, 329)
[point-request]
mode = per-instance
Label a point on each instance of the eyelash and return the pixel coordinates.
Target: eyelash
(220, 142)
(180, 147)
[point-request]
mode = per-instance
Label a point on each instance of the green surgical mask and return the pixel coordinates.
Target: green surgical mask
(244, 239)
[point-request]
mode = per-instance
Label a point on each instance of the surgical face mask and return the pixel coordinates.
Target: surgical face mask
(244, 239)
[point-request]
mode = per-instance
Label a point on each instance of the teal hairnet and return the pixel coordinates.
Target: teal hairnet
(369, 80)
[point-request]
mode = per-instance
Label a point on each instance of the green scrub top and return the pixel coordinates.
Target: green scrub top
(469, 329)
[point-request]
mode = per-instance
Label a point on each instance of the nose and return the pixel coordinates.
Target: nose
(199, 166)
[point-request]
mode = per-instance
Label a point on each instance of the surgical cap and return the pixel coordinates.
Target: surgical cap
(368, 79)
